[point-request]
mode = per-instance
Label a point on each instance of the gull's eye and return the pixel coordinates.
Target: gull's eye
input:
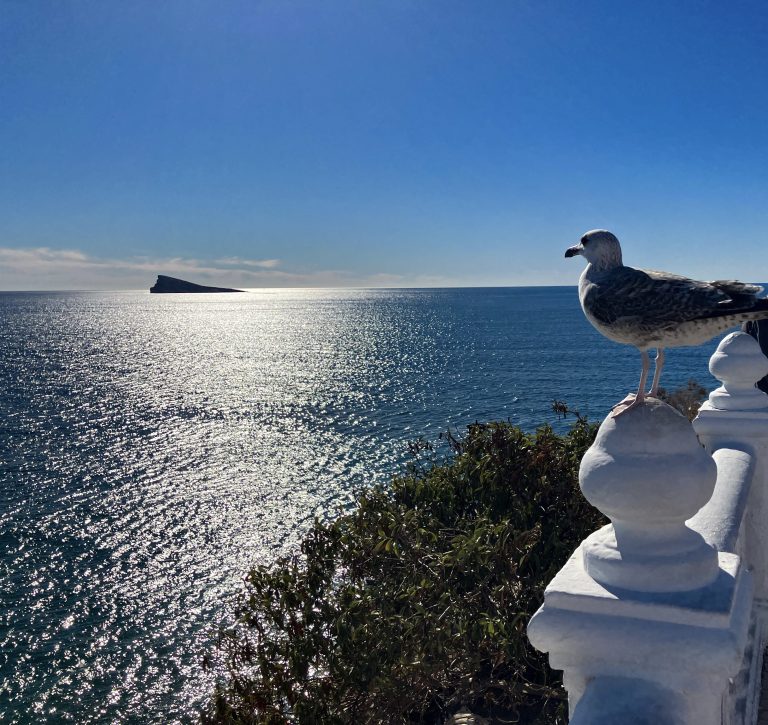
(584, 242)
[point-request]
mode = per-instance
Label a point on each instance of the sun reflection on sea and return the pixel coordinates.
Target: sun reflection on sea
(155, 446)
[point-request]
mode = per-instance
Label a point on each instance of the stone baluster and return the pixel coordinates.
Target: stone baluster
(647, 620)
(736, 416)
(738, 363)
(733, 425)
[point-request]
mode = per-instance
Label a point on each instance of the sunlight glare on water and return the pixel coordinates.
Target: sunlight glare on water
(155, 446)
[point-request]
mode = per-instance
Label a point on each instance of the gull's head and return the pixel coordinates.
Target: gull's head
(599, 247)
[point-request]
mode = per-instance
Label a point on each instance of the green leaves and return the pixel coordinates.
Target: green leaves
(416, 601)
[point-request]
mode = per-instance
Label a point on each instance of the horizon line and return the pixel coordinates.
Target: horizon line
(246, 290)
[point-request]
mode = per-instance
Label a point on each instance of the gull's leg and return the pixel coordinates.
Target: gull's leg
(639, 397)
(653, 392)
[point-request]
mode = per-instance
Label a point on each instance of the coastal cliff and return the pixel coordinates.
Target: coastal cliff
(171, 284)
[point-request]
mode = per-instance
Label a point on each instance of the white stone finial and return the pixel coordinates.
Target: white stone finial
(648, 473)
(738, 363)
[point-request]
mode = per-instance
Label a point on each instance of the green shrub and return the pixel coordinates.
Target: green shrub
(416, 602)
(687, 400)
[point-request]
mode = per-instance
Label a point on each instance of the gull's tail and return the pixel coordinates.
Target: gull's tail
(741, 294)
(743, 305)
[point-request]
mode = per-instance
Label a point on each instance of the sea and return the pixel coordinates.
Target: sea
(154, 447)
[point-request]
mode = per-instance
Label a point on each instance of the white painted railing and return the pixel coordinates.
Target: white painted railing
(660, 617)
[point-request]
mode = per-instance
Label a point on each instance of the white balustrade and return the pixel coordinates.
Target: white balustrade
(659, 617)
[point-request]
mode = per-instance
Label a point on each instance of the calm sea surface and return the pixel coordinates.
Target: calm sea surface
(152, 447)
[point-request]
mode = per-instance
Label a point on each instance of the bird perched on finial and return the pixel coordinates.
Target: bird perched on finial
(657, 310)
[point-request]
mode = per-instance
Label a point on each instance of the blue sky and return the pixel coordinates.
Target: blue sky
(378, 143)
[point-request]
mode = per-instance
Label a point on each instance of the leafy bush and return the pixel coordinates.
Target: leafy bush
(687, 400)
(415, 603)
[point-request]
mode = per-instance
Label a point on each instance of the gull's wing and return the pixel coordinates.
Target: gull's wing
(662, 299)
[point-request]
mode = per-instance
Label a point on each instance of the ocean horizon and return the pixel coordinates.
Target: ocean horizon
(131, 290)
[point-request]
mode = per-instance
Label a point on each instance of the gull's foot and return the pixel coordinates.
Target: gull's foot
(626, 401)
(631, 401)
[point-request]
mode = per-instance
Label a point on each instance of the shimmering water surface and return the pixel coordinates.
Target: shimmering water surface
(152, 447)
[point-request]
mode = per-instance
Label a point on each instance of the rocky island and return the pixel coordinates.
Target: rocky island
(171, 284)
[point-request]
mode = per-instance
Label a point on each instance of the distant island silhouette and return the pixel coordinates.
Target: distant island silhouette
(171, 284)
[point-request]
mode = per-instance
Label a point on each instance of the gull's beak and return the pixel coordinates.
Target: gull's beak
(573, 251)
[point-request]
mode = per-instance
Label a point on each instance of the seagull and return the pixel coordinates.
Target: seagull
(649, 309)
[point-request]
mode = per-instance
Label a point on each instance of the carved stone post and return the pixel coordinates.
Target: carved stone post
(646, 617)
(736, 417)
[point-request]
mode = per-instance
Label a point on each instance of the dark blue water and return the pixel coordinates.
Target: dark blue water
(153, 447)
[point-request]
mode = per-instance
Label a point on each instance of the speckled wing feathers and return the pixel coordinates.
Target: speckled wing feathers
(646, 308)
(652, 298)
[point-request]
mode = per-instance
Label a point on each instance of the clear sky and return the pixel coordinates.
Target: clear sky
(378, 142)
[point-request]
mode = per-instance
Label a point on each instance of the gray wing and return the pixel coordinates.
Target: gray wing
(657, 299)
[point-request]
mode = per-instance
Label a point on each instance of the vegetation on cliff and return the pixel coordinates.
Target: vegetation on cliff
(415, 603)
